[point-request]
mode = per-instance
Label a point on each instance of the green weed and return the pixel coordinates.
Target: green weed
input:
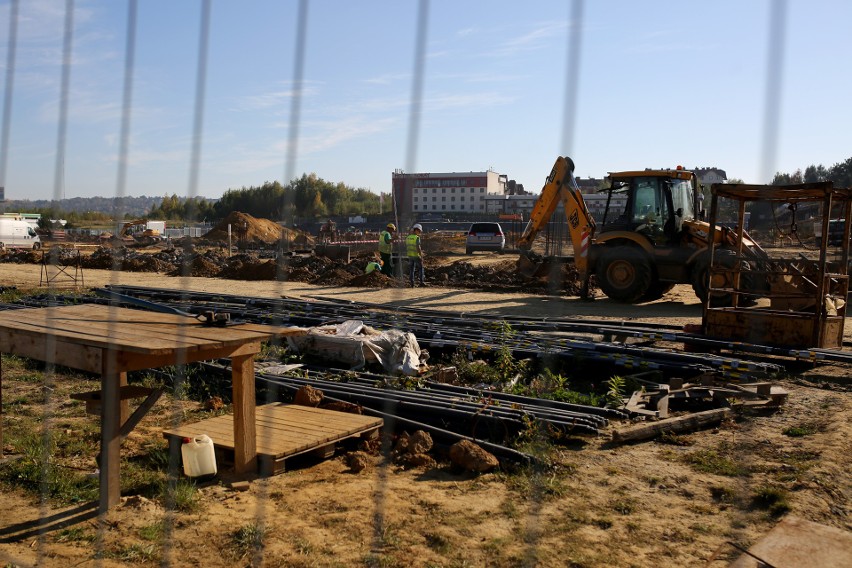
(182, 495)
(134, 553)
(710, 461)
(773, 499)
(799, 430)
(248, 538)
(76, 534)
(152, 532)
(615, 387)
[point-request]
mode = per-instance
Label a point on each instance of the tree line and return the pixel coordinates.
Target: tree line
(306, 198)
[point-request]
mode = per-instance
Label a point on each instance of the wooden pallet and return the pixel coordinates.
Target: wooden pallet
(283, 431)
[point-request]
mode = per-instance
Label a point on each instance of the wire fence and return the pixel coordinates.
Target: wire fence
(530, 531)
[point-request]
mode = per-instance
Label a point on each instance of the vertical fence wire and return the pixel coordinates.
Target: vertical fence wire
(772, 114)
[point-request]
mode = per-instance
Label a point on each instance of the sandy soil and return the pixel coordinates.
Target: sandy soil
(647, 504)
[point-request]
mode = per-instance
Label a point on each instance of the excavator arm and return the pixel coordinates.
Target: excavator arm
(561, 186)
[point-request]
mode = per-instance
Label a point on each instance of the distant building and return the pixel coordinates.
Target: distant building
(709, 176)
(448, 193)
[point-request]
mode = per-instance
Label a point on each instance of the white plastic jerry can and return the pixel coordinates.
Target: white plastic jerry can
(199, 457)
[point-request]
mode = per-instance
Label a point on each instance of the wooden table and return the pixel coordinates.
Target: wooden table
(111, 341)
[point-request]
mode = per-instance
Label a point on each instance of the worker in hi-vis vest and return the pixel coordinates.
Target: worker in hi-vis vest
(386, 249)
(372, 266)
(415, 255)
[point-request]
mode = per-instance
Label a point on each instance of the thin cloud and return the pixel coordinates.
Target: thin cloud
(534, 39)
(273, 99)
(388, 79)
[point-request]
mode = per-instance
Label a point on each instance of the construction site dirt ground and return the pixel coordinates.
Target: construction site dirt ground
(679, 502)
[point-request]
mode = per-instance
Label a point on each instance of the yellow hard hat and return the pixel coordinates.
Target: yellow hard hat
(391, 226)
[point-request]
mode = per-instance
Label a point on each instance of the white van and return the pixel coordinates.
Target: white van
(15, 233)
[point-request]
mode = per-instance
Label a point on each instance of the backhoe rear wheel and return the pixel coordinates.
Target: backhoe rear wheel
(624, 274)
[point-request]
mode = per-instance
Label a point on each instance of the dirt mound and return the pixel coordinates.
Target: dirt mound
(501, 276)
(246, 228)
(247, 267)
(374, 279)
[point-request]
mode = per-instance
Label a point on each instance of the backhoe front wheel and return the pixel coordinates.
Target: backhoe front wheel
(624, 274)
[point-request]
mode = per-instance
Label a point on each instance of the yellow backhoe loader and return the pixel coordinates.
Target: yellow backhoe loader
(657, 241)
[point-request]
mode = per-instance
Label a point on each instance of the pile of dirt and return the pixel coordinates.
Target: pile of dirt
(245, 228)
(374, 279)
(500, 276)
(247, 267)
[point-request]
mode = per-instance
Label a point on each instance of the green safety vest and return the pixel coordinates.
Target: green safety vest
(411, 248)
(385, 241)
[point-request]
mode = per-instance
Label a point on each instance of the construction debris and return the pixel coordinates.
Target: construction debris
(685, 423)
(706, 390)
(357, 345)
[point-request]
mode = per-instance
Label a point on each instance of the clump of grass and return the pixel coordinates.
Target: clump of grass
(153, 532)
(134, 553)
(439, 543)
(723, 494)
(623, 506)
(773, 499)
(182, 496)
(675, 439)
(799, 430)
(529, 483)
(711, 461)
(76, 534)
(248, 538)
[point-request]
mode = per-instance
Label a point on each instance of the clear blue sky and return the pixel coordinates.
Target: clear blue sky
(660, 83)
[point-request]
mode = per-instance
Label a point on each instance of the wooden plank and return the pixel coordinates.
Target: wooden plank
(64, 353)
(679, 424)
(134, 330)
(279, 431)
(137, 361)
(245, 435)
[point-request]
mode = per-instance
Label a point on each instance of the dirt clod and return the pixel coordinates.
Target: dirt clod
(472, 457)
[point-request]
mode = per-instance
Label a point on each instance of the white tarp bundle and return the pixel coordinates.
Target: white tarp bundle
(356, 344)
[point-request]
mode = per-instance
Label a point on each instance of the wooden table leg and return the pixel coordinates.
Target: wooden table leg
(1, 408)
(110, 478)
(124, 412)
(245, 436)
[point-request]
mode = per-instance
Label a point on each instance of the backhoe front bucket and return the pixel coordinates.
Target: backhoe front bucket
(533, 266)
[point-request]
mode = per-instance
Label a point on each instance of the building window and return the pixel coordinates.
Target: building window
(481, 190)
(415, 198)
(453, 198)
(452, 207)
(415, 208)
(443, 190)
(434, 198)
(443, 199)
(453, 190)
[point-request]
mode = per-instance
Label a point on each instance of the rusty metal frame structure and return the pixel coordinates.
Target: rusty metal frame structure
(806, 298)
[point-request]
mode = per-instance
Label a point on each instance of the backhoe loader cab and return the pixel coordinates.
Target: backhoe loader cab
(658, 202)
